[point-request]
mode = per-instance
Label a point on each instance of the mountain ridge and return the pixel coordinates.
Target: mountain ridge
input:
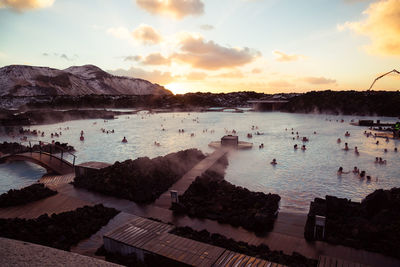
(25, 80)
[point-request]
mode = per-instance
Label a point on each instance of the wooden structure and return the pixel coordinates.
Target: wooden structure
(89, 168)
(230, 141)
(48, 161)
(325, 261)
(145, 237)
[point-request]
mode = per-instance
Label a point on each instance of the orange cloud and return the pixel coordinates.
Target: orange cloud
(382, 26)
(156, 59)
(318, 80)
(195, 76)
(208, 55)
(173, 8)
(20, 5)
(282, 57)
(233, 74)
(147, 35)
(280, 83)
(256, 71)
(152, 76)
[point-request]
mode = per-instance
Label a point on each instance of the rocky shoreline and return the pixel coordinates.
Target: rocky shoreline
(211, 197)
(372, 224)
(141, 180)
(25, 195)
(57, 147)
(58, 230)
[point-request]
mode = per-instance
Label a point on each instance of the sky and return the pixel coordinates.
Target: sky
(270, 46)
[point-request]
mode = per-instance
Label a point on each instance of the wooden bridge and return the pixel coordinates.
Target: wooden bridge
(49, 161)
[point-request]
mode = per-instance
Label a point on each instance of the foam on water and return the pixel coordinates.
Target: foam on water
(298, 177)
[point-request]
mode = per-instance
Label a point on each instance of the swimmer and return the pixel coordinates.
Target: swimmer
(273, 162)
(347, 134)
(303, 148)
(356, 170)
(376, 160)
(395, 149)
(377, 142)
(356, 151)
(124, 140)
(295, 146)
(340, 171)
(362, 174)
(385, 150)
(339, 141)
(346, 147)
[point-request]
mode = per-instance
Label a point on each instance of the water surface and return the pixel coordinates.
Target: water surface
(298, 177)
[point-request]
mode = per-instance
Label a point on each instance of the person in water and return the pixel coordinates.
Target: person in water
(303, 147)
(340, 171)
(273, 162)
(356, 170)
(346, 147)
(124, 140)
(295, 146)
(339, 141)
(356, 151)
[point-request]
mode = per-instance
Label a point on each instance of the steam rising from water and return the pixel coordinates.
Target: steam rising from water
(298, 177)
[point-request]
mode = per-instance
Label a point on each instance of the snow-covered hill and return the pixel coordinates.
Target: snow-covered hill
(20, 80)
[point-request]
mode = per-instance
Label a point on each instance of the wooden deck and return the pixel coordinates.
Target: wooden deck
(164, 201)
(326, 261)
(50, 162)
(286, 235)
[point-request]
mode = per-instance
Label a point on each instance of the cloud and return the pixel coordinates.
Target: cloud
(282, 57)
(280, 83)
(232, 74)
(381, 25)
(173, 8)
(147, 35)
(211, 56)
(21, 5)
(120, 32)
(132, 58)
(195, 76)
(156, 59)
(152, 76)
(206, 27)
(256, 71)
(62, 56)
(318, 80)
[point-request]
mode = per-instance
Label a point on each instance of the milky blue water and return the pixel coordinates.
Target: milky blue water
(298, 178)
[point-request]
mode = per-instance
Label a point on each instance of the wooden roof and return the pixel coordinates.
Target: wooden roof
(138, 232)
(184, 250)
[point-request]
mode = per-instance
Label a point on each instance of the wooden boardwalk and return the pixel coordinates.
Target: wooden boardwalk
(50, 162)
(286, 236)
(164, 201)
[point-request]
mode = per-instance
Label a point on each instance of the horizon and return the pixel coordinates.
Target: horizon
(189, 46)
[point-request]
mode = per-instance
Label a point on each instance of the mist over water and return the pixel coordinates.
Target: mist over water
(298, 177)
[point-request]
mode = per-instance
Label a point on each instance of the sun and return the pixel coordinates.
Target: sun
(176, 88)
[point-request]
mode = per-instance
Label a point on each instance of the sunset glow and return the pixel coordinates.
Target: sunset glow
(217, 46)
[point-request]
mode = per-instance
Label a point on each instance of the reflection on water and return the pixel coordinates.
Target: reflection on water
(299, 175)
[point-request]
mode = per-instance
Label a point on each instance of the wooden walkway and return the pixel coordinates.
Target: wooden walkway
(164, 201)
(50, 162)
(287, 235)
